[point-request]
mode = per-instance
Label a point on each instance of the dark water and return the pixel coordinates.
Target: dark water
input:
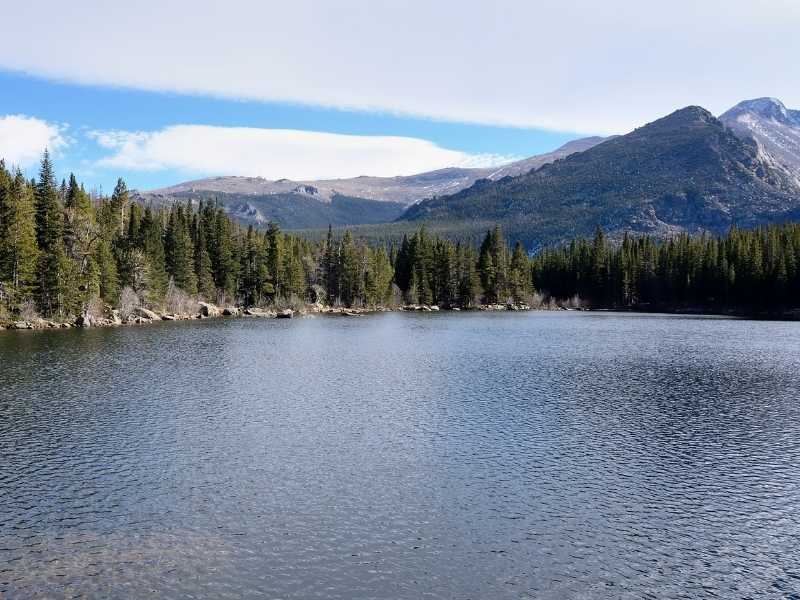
(403, 456)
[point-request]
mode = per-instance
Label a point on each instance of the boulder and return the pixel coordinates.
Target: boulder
(285, 314)
(167, 317)
(230, 311)
(143, 313)
(22, 325)
(208, 310)
(83, 321)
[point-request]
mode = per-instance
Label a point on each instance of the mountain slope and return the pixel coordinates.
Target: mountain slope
(360, 200)
(773, 126)
(291, 210)
(684, 172)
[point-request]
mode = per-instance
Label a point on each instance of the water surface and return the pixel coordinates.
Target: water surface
(535, 455)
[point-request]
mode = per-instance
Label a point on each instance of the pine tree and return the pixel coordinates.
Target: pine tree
(179, 251)
(202, 258)
(49, 236)
(119, 204)
(153, 246)
(18, 248)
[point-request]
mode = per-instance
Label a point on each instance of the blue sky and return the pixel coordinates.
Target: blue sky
(169, 91)
(81, 109)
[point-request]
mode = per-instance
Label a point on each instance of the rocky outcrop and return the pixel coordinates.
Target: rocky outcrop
(144, 313)
(208, 310)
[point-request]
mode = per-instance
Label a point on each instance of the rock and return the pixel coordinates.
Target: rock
(230, 311)
(143, 313)
(434, 308)
(83, 321)
(66, 326)
(167, 317)
(455, 308)
(22, 325)
(285, 314)
(208, 310)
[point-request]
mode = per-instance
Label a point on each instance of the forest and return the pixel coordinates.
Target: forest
(745, 271)
(64, 252)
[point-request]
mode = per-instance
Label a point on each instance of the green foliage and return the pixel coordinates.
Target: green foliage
(753, 270)
(65, 250)
(18, 248)
(52, 271)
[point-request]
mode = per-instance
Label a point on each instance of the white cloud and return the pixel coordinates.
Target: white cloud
(581, 65)
(278, 153)
(23, 139)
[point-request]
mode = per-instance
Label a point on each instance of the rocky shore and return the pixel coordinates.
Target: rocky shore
(142, 316)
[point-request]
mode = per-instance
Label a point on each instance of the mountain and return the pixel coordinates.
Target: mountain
(684, 172)
(295, 209)
(359, 200)
(774, 127)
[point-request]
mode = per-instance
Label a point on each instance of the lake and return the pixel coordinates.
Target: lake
(460, 455)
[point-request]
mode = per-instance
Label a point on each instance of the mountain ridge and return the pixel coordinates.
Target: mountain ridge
(684, 172)
(257, 200)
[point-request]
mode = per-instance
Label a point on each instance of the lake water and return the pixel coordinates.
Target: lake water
(541, 455)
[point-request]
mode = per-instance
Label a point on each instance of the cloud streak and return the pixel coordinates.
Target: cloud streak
(277, 153)
(583, 65)
(23, 138)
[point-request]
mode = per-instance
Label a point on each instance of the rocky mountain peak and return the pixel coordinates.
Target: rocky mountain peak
(774, 127)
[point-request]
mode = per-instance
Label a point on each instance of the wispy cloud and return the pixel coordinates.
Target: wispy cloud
(582, 65)
(277, 153)
(23, 138)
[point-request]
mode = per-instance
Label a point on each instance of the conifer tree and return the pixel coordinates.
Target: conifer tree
(18, 249)
(49, 236)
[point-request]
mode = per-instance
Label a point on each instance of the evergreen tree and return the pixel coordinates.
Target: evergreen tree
(18, 248)
(49, 236)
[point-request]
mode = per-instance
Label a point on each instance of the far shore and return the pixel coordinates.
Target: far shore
(145, 316)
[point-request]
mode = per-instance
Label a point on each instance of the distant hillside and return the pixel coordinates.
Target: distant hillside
(684, 172)
(360, 200)
(290, 210)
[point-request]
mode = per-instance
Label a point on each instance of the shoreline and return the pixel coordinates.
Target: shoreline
(144, 316)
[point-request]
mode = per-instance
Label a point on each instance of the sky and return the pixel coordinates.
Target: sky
(164, 91)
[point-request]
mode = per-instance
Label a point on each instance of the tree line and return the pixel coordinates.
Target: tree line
(754, 270)
(64, 252)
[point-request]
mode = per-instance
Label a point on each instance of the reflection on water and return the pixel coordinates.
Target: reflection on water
(404, 456)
